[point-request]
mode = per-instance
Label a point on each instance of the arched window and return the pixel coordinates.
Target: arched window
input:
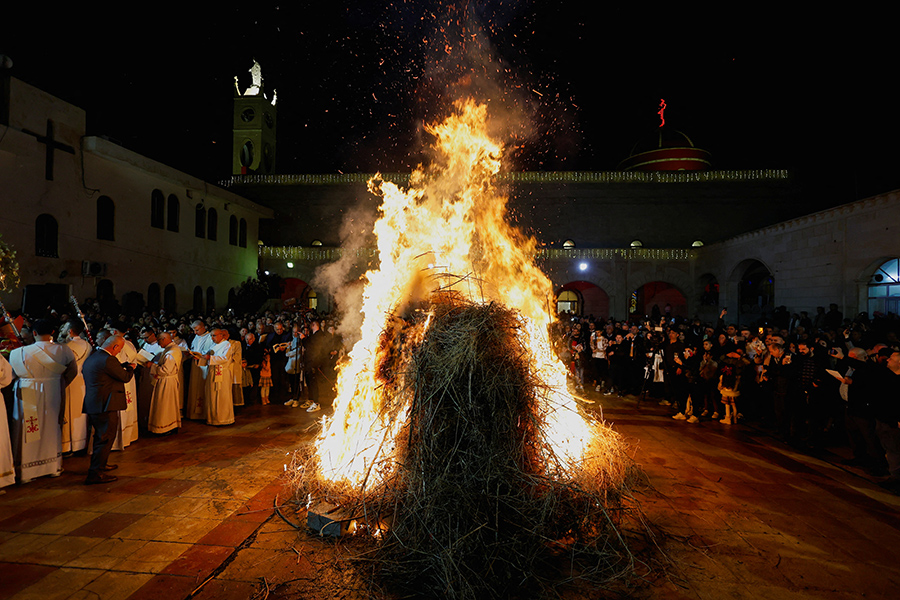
(153, 299)
(233, 230)
(174, 213)
(212, 225)
(242, 233)
(200, 221)
(884, 288)
(46, 236)
(169, 302)
(106, 219)
(210, 299)
(198, 299)
(157, 209)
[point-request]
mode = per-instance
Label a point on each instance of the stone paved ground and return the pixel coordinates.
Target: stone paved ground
(742, 516)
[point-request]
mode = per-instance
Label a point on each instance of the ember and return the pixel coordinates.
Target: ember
(454, 440)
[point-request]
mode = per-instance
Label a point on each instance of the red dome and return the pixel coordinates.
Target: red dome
(666, 150)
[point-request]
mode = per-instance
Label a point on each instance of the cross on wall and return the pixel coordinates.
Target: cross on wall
(52, 145)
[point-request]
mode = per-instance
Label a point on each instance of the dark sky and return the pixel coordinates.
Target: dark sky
(356, 80)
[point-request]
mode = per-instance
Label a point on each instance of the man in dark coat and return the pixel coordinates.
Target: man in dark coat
(315, 360)
(104, 381)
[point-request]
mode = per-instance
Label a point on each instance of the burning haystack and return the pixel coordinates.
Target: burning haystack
(454, 441)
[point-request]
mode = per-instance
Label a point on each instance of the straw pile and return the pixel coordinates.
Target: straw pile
(477, 504)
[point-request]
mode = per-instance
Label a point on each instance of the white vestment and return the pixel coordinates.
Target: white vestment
(237, 373)
(36, 435)
(182, 345)
(219, 382)
(7, 466)
(196, 403)
(75, 427)
(164, 410)
(128, 418)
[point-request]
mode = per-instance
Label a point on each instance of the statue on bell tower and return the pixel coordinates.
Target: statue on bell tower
(253, 149)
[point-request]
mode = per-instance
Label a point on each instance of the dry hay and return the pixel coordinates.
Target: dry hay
(477, 504)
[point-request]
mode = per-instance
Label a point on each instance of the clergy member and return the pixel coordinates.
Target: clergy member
(202, 342)
(237, 375)
(128, 418)
(75, 425)
(219, 380)
(44, 369)
(165, 416)
(7, 467)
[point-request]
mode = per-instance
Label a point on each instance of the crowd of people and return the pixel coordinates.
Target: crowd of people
(813, 383)
(828, 382)
(77, 382)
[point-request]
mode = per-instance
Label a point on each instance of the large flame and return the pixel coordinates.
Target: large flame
(448, 230)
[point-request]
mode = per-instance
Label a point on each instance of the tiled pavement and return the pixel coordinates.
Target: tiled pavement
(743, 516)
(182, 506)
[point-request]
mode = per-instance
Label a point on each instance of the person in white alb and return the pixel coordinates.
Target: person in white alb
(75, 425)
(7, 467)
(165, 415)
(196, 403)
(219, 380)
(44, 369)
(237, 375)
(128, 418)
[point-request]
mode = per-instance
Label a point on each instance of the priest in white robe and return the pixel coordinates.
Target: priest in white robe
(7, 466)
(44, 370)
(196, 398)
(219, 380)
(165, 415)
(148, 350)
(128, 418)
(237, 375)
(75, 425)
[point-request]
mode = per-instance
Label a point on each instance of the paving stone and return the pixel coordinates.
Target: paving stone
(112, 585)
(165, 586)
(199, 561)
(17, 577)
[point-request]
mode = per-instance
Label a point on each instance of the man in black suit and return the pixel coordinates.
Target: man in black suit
(104, 381)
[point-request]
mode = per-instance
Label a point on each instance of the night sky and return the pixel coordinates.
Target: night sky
(356, 80)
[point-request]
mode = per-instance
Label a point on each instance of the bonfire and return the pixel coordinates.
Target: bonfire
(454, 441)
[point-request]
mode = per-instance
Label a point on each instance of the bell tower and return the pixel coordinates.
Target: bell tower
(253, 147)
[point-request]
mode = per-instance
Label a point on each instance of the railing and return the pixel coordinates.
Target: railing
(523, 177)
(323, 253)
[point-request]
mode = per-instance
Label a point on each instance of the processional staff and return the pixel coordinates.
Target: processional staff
(87, 330)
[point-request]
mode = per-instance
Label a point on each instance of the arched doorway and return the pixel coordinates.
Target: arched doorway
(198, 299)
(756, 294)
(582, 298)
(884, 288)
(658, 298)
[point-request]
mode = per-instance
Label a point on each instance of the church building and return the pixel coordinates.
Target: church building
(90, 218)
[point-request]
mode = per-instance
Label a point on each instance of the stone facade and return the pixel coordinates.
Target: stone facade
(814, 260)
(83, 221)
